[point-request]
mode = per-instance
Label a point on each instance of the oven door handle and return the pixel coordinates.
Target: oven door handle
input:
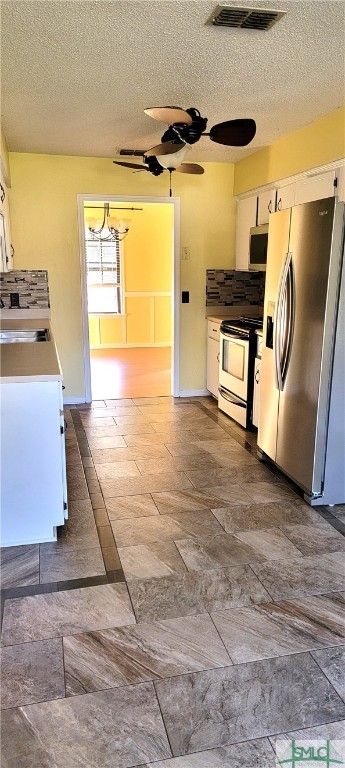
(237, 337)
(231, 398)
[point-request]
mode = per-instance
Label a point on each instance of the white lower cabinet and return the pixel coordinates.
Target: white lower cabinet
(33, 464)
(213, 367)
(212, 382)
(256, 393)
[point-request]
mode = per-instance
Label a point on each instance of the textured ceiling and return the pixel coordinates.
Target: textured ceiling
(77, 75)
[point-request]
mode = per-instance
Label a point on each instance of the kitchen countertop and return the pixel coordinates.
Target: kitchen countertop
(219, 319)
(29, 361)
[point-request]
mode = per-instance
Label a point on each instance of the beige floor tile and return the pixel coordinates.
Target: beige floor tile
(182, 436)
(266, 492)
(154, 467)
(131, 454)
(131, 506)
(149, 484)
(106, 442)
(117, 469)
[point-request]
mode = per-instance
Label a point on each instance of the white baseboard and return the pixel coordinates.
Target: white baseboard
(148, 344)
(194, 393)
(182, 393)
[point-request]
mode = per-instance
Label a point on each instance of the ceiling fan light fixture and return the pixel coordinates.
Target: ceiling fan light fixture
(173, 161)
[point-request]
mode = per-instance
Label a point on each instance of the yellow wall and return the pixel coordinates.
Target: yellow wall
(148, 269)
(43, 202)
(148, 249)
(316, 144)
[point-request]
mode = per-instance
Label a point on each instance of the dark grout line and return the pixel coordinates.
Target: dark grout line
(108, 549)
(330, 518)
(110, 577)
(63, 666)
(163, 721)
(220, 637)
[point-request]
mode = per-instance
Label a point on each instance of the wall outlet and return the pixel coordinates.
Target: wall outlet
(185, 253)
(14, 300)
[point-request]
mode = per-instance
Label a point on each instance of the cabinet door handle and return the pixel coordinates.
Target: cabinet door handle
(218, 356)
(2, 193)
(64, 428)
(270, 206)
(257, 376)
(279, 204)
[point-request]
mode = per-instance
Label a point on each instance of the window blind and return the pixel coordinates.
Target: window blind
(103, 262)
(104, 278)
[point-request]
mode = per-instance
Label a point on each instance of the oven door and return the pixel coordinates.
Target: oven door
(233, 364)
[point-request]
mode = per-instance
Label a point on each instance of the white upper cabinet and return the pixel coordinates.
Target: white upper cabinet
(340, 189)
(286, 197)
(5, 236)
(255, 210)
(315, 187)
(246, 218)
(266, 205)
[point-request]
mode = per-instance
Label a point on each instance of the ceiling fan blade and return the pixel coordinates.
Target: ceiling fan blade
(190, 168)
(131, 165)
(234, 133)
(167, 148)
(169, 115)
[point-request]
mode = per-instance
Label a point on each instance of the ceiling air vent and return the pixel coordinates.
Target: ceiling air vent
(244, 18)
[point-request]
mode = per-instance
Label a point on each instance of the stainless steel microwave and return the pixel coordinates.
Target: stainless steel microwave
(258, 239)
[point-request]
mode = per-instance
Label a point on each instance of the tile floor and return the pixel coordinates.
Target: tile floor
(190, 612)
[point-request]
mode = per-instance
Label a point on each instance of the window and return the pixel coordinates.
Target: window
(104, 278)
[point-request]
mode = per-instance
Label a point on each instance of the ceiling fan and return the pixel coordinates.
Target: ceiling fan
(186, 127)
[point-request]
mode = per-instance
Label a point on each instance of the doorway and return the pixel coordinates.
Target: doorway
(130, 291)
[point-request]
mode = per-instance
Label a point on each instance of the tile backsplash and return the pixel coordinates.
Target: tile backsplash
(32, 286)
(231, 287)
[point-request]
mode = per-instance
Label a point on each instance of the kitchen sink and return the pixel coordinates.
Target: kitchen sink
(29, 335)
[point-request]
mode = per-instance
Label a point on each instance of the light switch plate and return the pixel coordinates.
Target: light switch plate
(185, 253)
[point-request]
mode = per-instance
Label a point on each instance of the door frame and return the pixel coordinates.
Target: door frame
(175, 357)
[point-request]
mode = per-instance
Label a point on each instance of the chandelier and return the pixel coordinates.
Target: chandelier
(111, 228)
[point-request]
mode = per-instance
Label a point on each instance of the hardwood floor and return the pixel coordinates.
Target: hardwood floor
(134, 372)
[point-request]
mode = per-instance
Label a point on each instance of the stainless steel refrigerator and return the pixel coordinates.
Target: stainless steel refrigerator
(302, 408)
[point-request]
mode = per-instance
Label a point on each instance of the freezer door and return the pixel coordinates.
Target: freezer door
(278, 246)
(305, 329)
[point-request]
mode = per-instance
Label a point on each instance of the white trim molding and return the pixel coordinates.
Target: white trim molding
(148, 344)
(175, 347)
(284, 182)
(194, 393)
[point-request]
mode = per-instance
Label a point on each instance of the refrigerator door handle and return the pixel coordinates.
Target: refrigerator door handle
(289, 299)
(278, 322)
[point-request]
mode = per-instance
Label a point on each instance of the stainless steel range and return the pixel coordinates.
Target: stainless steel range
(236, 368)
